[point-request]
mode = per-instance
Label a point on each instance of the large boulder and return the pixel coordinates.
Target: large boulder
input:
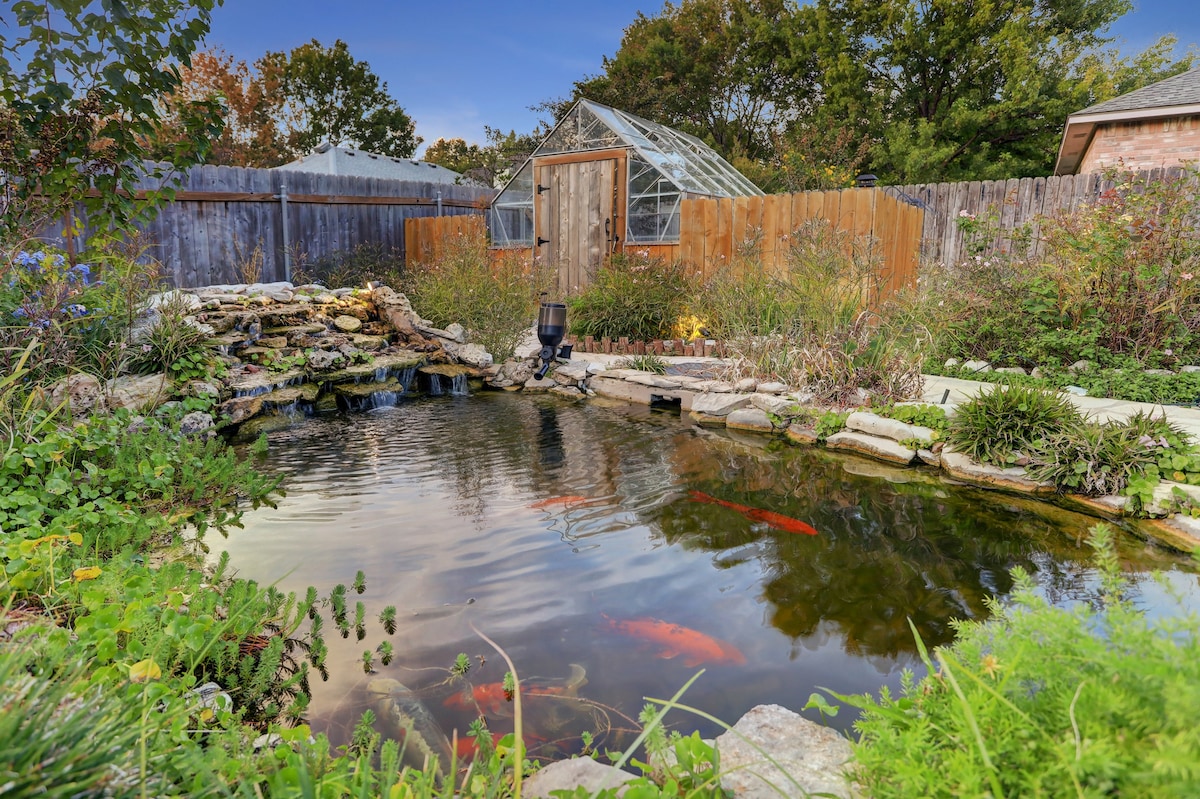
(138, 393)
(812, 757)
(82, 393)
(578, 772)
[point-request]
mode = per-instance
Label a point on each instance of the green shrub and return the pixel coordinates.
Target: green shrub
(1094, 699)
(1000, 425)
(170, 342)
(1113, 280)
(632, 295)
(496, 301)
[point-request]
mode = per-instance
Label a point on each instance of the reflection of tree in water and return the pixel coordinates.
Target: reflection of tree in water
(885, 552)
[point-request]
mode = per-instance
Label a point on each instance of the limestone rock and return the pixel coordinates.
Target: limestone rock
(812, 757)
(977, 366)
(714, 404)
(457, 333)
(1012, 370)
(347, 323)
(1014, 478)
(951, 363)
(570, 392)
(746, 384)
(578, 772)
(749, 419)
(195, 422)
(875, 425)
(771, 388)
(320, 360)
(138, 393)
(273, 342)
(239, 409)
(82, 392)
(534, 386)
(773, 403)
(653, 380)
(885, 449)
(470, 354)
(802, 434)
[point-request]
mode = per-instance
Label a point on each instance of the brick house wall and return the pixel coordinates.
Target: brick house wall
(1143, 144)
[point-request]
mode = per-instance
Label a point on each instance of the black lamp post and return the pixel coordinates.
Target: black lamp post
(551, 328)
(865, 181)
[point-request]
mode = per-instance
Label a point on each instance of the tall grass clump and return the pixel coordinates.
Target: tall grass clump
(1092, 699)
(632, 295)
(368, 261)
(820, 321)
(1005, 425)
(495, 300)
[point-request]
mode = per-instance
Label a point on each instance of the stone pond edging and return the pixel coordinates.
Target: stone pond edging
(753, 407)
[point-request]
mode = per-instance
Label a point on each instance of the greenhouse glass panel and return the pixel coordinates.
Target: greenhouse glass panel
(510, 218)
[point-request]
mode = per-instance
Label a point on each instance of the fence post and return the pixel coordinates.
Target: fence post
(287, 241)
(439, 203)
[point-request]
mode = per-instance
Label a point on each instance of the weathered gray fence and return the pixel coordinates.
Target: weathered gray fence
(222, 214)
(1016, 201)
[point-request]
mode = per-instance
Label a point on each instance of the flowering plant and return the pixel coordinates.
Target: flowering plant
(41, 289)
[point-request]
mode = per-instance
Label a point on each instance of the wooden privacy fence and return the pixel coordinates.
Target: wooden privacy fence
(712, 231)
(1016, 202)
(426, 239)
(228, 222)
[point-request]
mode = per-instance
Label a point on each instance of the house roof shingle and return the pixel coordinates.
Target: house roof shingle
(1181, 89)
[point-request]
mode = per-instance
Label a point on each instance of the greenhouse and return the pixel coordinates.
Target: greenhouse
(604, 179)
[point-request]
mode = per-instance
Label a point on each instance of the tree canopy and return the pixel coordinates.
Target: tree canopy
(801, 96)
(80, 83)
(328, 96)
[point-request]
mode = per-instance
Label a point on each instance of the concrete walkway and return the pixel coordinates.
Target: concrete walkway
(1097, 408)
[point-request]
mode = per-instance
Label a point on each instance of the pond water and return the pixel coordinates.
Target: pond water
(576, 535)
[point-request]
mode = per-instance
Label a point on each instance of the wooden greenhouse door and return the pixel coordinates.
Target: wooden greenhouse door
(576, 218)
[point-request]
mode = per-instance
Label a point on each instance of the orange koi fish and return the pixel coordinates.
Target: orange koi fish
(694, 646)
(542, 504)
(466, 746)
(767, 517)
(490, 698)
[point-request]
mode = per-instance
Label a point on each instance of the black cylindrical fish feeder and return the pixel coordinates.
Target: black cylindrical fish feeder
(551, 329)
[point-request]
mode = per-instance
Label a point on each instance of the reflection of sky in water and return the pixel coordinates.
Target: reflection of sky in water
(432, 500)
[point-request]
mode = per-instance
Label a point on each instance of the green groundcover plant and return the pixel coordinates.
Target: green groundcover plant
(1095, 699)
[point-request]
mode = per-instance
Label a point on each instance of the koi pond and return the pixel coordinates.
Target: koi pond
(614, 550)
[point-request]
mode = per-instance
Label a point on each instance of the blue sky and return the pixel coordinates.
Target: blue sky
(456, 65)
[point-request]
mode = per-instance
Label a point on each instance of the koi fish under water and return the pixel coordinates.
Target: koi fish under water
(405, 718)
(767, 517)
(490, 698)
(694, 646)
(550, 502)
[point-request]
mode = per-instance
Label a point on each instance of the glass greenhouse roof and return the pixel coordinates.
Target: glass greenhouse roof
(665, 165)
(689, 163)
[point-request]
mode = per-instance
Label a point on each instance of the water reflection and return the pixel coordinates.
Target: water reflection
(534, 519)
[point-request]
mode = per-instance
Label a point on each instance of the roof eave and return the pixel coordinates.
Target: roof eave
(1081, 129)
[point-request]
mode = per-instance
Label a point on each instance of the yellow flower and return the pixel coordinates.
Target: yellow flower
(989, 665)
(86, 573)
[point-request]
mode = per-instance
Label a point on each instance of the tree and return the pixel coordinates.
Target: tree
(492, 164)
(252, 109)
(967, 91)
(328, 96)
(723, 70)
(79, 82)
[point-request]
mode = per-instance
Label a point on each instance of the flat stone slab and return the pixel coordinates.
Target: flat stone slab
(812, 757)
(772, 403)
(876, 425)
(754, 419)
(1013, 478)
(653, 380)
(884, 449)
(1178, 531)
(719, 404)
(802, 435)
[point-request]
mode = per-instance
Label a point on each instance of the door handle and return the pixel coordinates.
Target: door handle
(607, 231)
